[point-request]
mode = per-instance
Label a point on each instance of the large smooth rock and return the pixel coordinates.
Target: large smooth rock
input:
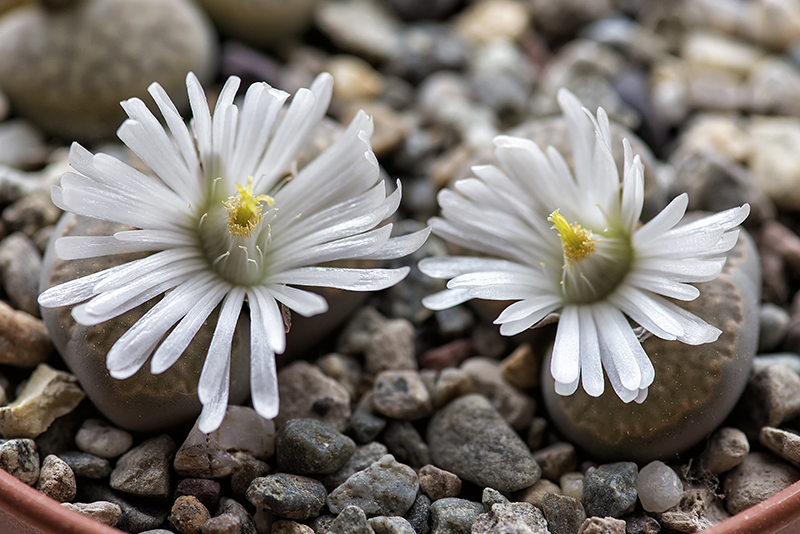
(468, 437)
(695, 387)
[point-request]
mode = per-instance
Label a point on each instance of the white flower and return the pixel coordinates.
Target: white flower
(574, 246)
(228, 223)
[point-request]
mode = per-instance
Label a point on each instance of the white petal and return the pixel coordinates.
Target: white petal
(263, 374)
(614, 346)
(565, 363)
(452, 266)
(339, 278)
(664, 221)
(591, 365)
(306, 303)
(446, 299)
(398, 247)
(270, 316)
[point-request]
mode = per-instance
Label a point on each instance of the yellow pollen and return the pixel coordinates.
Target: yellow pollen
(578, 244)
(244, 210)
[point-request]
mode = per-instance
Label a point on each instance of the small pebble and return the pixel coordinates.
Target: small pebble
(24, 341)
(47, 395)
(726, 449)
(386, 487)
(659, 487)
(521, 367)
(364, 425)
(491, 497)
(56, 479)
(364, 456)
(556, 459)
(572, 485)
(356, 336)
(451, 515)
(306, 392)
(564, 514)
(290, 496)
(222, 524)
(86, 465)
(468, 437)
(101, 439)
(537, 491)
(610, 489)
(438, 483)
(784, 444)
(20, 269)
(135, 517)
(188, 514)
(346, 370)
(285, 526)
(449, 384)
(230, 506)
(401, 395)
(699, 509)
(206, 491)
(391, 525)
(19, 457)
(419, 514)
(774, 322)
(772, 397)
(307, 446)
(603, 525)
(639, 523)
(391, 347)
(249, 468)
(513, 517)
(758, 477)
(145, 469)
(488, 380)
(406, 444)
(105, 512)
(351, 520)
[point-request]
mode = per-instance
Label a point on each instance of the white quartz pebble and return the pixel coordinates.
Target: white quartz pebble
(660, 488)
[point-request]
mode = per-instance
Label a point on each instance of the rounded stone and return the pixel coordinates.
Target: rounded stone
(386, 487)
(56, 479)
(695, 387)
(188, 514)
(659, 488)
(103, 440)
(757, 478)
(143, 402)
(307, 447)
(68, 69)
(468, 437)
(261, 22)
(290, 496)
(610, 489)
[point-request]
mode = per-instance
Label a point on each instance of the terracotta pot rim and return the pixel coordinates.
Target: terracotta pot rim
(34, 509)
(38, 511)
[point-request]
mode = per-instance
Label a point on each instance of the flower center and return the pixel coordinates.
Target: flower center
(578, 244)
(244, 210)
(234, 235)
(592, 267)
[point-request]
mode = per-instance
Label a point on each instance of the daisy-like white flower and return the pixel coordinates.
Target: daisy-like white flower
(573, 245)
(229, 222)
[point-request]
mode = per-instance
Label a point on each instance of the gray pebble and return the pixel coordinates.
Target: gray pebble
(307, 446)
(101, 439)
(249, 468)
(391, 525)
(351, 520)
(145, 469)
(291, 496)
(468, 437)
(364, 456)
(639, 523)
(419, 514)
(20, 269)
(448, 384)
(401, 395)
(386, 487)
(406, 444)
(487, 379)
(534, 493)
(784, 444)
(564, 514)
(437, 483)
(772, 396)
(19, 457)
(774, 324)
(306, 392)
(286, 526)
(556, 460)
(322, 524)
(346, 370)
(356, 336)
(491, 496)
(86, 465)
(727, 448)
(788, 359)
(105, 512)
(605, 525)
(521, 517)
(454, 516)
(230, 506)
(758, 477)
(31, 213)
(135, 517)
(56, 479)
(610, 489)
(391, 347)
(364, 425)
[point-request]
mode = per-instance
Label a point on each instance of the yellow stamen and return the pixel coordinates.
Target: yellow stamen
(578, 244)
(244, 210)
